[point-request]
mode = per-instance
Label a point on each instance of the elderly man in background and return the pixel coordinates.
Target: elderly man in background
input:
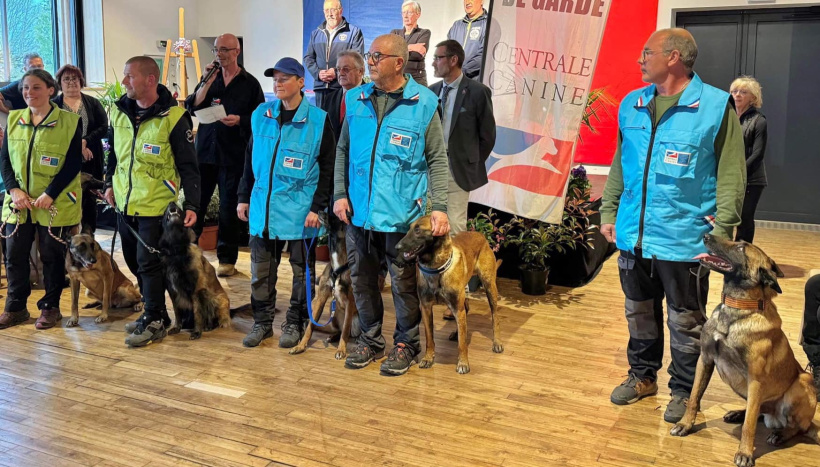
(469, 31)
(418, 40)
(326, 42)
(11, 97)
(388, 173)
(350, 67)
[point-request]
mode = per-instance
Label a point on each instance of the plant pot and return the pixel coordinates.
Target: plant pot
(207, 240)
(534, 282)
(322, 253)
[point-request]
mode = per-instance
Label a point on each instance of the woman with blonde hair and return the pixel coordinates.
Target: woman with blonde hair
(748, 97)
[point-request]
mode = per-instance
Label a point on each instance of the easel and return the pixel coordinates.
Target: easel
(181, 49)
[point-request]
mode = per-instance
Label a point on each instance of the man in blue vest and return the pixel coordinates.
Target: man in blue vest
(678, 174)
(390, 147)
(286, 183)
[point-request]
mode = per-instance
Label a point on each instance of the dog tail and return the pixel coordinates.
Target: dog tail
(498, 263)
(241, 309)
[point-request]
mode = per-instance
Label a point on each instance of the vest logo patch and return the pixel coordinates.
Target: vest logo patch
(343, 36)
(677, 158)
(50, 161)
(72, 196)
(474, 33)
(216, 101)
(400, 140)
(293, 163)
(152, 149)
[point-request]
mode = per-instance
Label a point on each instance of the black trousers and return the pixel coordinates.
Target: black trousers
(330, 100)
(146, 266)
(366, 251)
(18, 267)
(265, 258)
(89, 209)
(227, 178)
(746, 229)
(646, 283)
(811, 320)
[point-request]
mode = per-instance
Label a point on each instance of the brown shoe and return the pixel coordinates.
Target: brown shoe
(225, 270)
(48, 318)
(632, 390)
(9, 319)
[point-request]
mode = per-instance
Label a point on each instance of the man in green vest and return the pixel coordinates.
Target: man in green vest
(152, 150)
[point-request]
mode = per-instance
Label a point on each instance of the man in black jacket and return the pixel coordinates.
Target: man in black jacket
(469, 128)
(220, 146)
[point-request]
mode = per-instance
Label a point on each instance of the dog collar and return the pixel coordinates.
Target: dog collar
(432, 272)
(740, 304)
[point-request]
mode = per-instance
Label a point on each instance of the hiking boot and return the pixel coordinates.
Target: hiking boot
(258, 333)
(632, 390)
(361, 356)
(400, 359)
(13, 318)
(291, 334)
(675, 409)
(225, 270)
(48, 318)
(146, 334)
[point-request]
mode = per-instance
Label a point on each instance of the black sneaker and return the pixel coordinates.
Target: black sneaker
(676, 409)
(400, 360)
(132, 326)
(361, 356)
(291, 334)
(258, 333)
(153, 332)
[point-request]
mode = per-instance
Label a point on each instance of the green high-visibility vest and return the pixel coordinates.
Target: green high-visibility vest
(37, 154)
(146, 178)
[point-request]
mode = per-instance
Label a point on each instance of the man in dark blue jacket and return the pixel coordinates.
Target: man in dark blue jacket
(469, 31)
(330, 38)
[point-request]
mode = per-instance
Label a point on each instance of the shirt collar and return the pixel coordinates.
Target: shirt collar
(456, 82)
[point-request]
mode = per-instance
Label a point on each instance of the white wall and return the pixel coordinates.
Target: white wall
(668, 8)
(133, 28)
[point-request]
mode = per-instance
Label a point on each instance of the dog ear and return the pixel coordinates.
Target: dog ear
(777, 270)
(323, 220)
(192, 235)
(768, 277)
(87, 230)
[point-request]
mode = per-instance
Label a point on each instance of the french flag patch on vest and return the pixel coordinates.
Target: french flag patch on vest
(171, 186)
(72, 196)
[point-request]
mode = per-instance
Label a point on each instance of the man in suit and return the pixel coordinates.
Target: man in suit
(469, 128)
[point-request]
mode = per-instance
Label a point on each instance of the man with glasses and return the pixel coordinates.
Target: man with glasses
(391, 149)
(326, 42)
(10, 95)
(350, 67)
(678, 174)
(220, 146)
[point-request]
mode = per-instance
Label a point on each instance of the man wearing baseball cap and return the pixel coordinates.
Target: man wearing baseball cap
(286, 183)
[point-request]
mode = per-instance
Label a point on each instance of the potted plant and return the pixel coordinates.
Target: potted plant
(208, 237)
(322, 249)
(487, 224)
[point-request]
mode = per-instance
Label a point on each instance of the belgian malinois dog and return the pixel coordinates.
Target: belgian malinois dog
(743, 339)
(88, 264)
(445, 265)
(192, 282)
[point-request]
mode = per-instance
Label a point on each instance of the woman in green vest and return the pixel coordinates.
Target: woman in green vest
(40, 163)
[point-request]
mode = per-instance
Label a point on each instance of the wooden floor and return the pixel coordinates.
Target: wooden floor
(79, 397)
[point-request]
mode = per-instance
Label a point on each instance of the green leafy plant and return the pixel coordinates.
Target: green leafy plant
(487, 225)
(212, 213)
(110, 93)
(598, 103)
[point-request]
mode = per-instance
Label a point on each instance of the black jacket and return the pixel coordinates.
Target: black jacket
(472, 132)
(182, 145)
(755, 136)
(97, 130)
(415, 64)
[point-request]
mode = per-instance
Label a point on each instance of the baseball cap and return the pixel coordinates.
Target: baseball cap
(287, 65)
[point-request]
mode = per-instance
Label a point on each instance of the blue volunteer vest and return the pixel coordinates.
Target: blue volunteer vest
(285, 170)
(393, 194)
(681, 178)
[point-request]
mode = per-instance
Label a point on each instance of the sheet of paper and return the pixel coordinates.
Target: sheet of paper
(210, 114)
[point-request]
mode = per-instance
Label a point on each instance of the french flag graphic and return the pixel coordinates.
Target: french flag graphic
(72, 196)
(171, 186)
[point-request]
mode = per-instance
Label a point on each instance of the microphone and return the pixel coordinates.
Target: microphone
(210, 72)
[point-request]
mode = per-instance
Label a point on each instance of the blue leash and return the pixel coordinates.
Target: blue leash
(309, 289)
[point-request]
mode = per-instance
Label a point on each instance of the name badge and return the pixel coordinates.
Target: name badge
(293, 163)
(50, 161)
(677, 158)
(400, 140)
(152, 149)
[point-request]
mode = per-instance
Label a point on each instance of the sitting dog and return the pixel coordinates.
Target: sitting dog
(744, 341)
(88, 264)
(445, 266)
(191, 280)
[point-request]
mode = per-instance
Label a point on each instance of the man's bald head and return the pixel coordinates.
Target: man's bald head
(680, 40)
(227, 40)
(393, 44)
(145, 66)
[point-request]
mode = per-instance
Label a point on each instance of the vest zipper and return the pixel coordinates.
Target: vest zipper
(639, 243)
(270, 184)
(28, 162)
(131, 169)
(373, 154)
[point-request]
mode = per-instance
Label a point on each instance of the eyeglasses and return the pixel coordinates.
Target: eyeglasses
(739, 91)
(345, 70)
(222, 50)
(648, 53)
(333, 10)
(409, 13)
(70, 79)
(439, 57)
(376, 56)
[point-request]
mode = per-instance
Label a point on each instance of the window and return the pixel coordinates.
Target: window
(27, 26)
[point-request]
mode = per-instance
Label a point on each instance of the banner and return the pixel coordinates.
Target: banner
(539, 60)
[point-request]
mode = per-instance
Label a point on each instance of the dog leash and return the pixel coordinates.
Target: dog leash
(52, 211)
(309, 289)
(101, 196)
(135, 234)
